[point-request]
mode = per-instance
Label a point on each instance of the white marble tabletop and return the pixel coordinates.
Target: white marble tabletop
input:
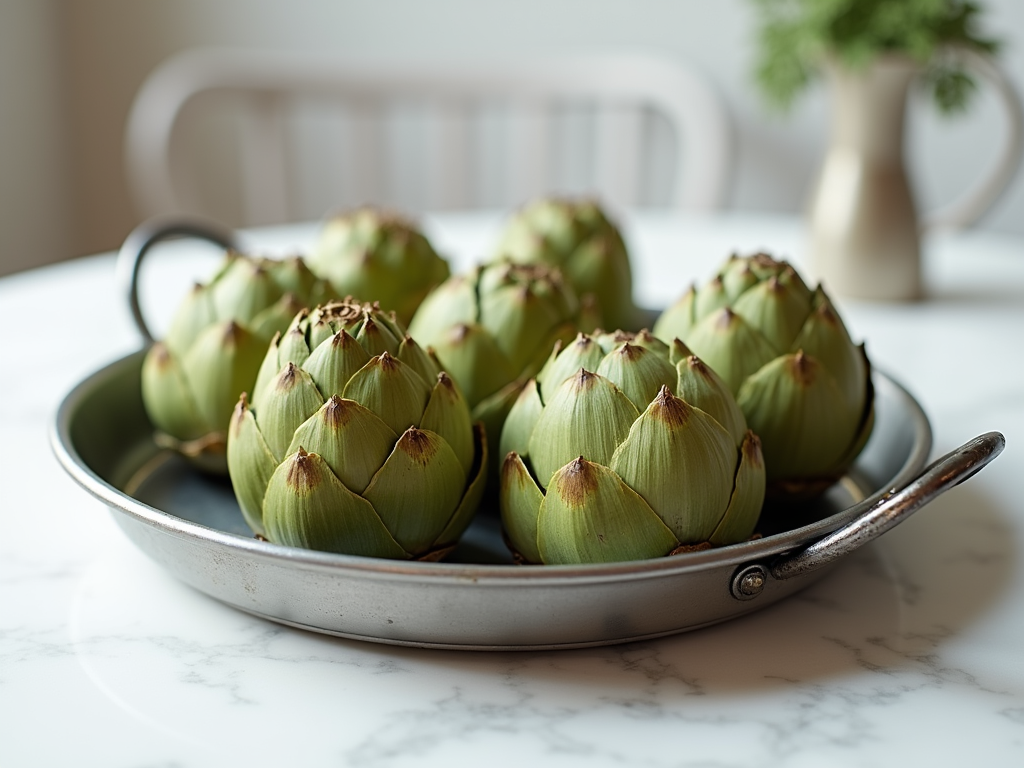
(909, 653)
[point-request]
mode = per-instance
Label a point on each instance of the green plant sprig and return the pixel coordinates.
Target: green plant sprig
(797, 34)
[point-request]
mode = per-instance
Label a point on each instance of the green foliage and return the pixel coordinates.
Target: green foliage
(796, 34)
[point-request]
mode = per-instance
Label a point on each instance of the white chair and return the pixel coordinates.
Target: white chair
(493, 132)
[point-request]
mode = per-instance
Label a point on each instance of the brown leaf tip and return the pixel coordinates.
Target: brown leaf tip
(725, 319)
(697, 365)
(387, 362)
(417, 445)
(630, 352)
(232, 332)
(288, 377)
(512, 468)
(161, 355)
(827, 314)
(342, 339)
(575, 482)
(751, 449)
(803, 368)
(337, 411)
(582, 341)
(303, 475)
(446, 381)
(670, 409)
(583, 380)
(238, 416)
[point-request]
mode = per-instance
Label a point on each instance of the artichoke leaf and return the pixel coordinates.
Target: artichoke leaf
(307, 506)
(747, 496)
(566, 360)
(587, 416)
(447, 414)
(286, 403)
(590, 515)
(350, 438)
(775, 310)
(250, 464)
(515, 434)
(702, 388)
(731, 346)
(165, 391)
(334, 362)
(800, 413)
(417, 490)
(391, 389)
(638, 372)
(520, 502)
(223, 363)
(683, 463)
(463, 515)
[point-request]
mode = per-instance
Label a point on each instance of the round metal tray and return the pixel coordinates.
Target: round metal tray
(190, 524)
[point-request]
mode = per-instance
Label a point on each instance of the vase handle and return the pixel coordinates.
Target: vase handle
(968, 209)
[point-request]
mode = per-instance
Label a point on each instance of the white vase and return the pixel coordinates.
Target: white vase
(865, 231)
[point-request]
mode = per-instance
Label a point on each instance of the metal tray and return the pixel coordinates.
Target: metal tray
(190, 524)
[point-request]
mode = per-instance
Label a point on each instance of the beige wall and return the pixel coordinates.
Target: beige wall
(69, 70)
(37, 222)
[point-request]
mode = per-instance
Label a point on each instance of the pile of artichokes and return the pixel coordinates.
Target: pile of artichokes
(344, 434)
(354, 441)
(803, 385)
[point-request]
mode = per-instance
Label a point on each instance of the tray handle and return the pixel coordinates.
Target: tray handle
(891, 510)
(144, 237)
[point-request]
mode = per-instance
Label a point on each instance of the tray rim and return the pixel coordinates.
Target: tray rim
(478, 574)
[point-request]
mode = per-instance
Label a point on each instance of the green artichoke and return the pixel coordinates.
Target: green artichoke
(355, 441)
(378, 256)
(783, 350)
(212, 352)
(624, 449)
(493, 328)
(579, 239)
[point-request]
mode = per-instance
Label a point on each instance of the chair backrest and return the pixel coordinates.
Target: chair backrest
(497, 117)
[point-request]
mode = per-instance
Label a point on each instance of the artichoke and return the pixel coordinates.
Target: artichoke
(493, 328)
(378, 256)
(624, 448)
(213, 350)
(578, 238)
(355, 441)
(783, 350)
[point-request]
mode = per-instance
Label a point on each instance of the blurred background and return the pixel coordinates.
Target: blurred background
(70, 70)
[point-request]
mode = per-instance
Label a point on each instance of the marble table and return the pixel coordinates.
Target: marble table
(911, 652)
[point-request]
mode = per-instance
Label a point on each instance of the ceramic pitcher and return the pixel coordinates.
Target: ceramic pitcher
(865, 231)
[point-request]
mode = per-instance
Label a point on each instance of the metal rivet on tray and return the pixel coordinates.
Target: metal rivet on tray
(749, 582)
